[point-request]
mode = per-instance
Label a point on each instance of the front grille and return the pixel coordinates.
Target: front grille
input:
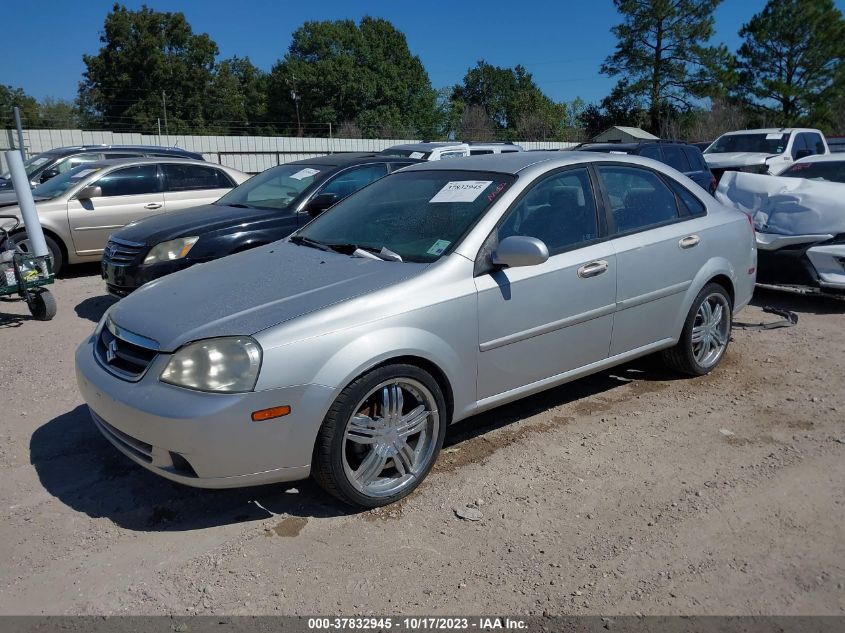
(121, 252)
(140, 449)
(118, 291)
(125, 358)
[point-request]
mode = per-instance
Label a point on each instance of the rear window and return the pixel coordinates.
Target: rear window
(695, 158)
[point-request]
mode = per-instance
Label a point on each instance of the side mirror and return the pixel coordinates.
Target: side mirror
(803, 153)
(47, 174)
(91, 191)
(320, 203)
(518, 250)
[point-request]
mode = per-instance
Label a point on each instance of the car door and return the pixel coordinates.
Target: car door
(540, 321)
(660, 246)
(128, 193)
(187, 185)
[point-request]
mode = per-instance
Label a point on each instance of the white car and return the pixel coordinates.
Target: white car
(428, 151)
(79, 209)
(765, 151)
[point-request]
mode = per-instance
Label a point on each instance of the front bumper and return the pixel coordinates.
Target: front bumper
(202, 439)
(123, 279)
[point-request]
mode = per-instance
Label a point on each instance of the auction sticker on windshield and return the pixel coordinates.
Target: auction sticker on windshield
(774, 136)
(305, 173)
(438, 247)
(416, 155)
(461, 191)
(83, 173)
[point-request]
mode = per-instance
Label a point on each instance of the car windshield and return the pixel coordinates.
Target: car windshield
(418, 215)
(55, 187)
(31, 165)
(762, 143)
(406, 153)
(831, 171)
(275, 188)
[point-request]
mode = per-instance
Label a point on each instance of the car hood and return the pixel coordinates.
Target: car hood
(245, 293)
(193, 221)
(8, 198)
(736, 159)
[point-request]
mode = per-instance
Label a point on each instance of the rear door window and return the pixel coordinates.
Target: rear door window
(130, 181)
(674, 157)
(639, 199)
(651, 151)
(695, 158)
(183, 177)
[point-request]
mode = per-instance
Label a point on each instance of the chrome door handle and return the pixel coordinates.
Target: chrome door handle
(152, 205)
(689, 241)
(593, 268)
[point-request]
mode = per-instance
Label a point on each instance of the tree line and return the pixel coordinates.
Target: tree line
(350, 79)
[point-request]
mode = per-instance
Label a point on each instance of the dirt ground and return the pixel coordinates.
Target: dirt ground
(632, 491)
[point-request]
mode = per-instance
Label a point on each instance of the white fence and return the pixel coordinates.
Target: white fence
(251, 154)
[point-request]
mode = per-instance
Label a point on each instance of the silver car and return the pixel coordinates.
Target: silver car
(444, 289)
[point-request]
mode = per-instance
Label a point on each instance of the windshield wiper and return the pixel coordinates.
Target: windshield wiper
(239, 205)
(307, 241)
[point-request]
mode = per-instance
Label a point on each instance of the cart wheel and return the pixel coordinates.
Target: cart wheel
(43, 305)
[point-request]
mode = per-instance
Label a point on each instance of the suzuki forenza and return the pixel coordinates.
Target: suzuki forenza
(439, 291)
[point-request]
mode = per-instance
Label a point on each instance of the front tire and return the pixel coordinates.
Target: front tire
(21, 240)
(381, 436)
(43, 305)
(706, 333)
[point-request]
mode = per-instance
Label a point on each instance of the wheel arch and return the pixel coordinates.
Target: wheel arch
(429, 367)
(717, 270)
(48, 232)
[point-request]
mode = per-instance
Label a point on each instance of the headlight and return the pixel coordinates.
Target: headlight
(170, 250)
(226, 364)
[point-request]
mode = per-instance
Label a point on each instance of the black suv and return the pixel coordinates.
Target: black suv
(41, 167)
(265, 208)
(685, 157)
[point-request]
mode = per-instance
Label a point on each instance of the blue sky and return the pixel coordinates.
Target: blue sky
(561, 42)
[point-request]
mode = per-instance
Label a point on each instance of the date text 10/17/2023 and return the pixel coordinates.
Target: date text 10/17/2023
(417, 623)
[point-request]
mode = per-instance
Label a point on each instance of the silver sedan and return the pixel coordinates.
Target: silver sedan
(445, 289)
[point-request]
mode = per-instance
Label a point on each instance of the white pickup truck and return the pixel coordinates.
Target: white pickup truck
(766, 151)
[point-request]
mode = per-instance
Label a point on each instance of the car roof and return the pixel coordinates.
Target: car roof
(516, 162)
(349, 158)
(140, 148)
(144, 160)
(772, 130)
(427, 146)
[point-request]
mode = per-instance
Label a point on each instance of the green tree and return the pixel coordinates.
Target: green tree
(11, 97)
(511, 99)
(342, 72)
(149, 61)
(662, 54)
(620, 107)
(238, 98)
(59, 114)
(790, 57)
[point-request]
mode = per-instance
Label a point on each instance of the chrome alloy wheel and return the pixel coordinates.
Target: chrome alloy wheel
(391, 437)
(711, 330)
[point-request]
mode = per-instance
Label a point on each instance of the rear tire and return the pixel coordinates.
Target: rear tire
(43, 305)
(706, 333)
(21, 240)
(381, 436)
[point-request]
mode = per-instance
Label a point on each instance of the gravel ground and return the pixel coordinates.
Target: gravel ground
(632, 491)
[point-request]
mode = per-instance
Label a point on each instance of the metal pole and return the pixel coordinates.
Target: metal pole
(159, 131)
(20, 132)
(330, 137)
(164, 107)
(26, 203)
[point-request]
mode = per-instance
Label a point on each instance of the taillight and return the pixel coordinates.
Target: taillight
(751, 224)
(713, 184)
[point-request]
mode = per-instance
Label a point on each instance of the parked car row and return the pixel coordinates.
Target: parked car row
(438, 290)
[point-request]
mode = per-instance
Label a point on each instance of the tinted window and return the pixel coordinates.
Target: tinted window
(832, 171)
(191, 177)
(674, 157)
(815, 142)
(695, 158)
(691, 204)
(651, 151)
(638, 198)
(354, 179)
(121, 155)
(798, 145)
(417, 214)
(130, 181)
(559, 210)
(476, 152)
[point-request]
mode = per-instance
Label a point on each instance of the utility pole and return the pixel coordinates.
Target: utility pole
(295, 98)
(159, 130)
(164, 107)
(20, 132)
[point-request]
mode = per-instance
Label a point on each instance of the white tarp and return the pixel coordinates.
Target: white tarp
(786, 206)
